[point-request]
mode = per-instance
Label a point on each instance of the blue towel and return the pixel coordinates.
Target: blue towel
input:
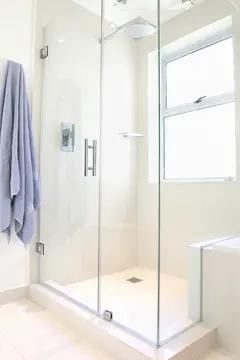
(19, 180)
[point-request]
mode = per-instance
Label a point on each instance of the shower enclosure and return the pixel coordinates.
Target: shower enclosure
(100, 165)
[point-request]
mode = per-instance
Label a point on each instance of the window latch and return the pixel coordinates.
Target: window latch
(199, 100)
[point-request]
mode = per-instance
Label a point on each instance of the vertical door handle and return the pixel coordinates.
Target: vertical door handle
(86, 157)
(92, 147)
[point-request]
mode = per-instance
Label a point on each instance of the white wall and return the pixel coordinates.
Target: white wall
(148, 197)
(16, 39)
(221, 295)
(189, 212)
(119, 190)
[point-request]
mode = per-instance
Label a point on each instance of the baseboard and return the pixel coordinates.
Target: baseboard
(13, 294)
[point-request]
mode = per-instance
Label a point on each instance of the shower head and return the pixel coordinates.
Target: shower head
(137, 28)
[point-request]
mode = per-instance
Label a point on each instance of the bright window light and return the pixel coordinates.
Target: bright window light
(207, 72)
(197, 136)
(201, 144)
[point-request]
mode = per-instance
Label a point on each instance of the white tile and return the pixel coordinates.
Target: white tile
(215, 355)
(27, 323)
(221, 295)
(92, 353)
(40, 349)
(11, 355)
(30, 333)
(80, 351)
(16, 311)
(127, 300)
(5, 347)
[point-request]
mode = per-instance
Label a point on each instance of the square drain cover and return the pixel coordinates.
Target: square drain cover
(134, 280)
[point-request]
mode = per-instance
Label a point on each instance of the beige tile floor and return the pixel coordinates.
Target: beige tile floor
(216, 355)
(28, 332)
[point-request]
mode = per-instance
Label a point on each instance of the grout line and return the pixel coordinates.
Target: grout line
(12, 346)
(51, 352)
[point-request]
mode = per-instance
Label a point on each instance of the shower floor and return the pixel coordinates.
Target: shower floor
(134, 305)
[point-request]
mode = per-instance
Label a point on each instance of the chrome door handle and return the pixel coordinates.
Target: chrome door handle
(93, 147)
(86, 157)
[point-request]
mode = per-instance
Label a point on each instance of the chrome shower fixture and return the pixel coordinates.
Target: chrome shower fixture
(130, 135)
(137, 28)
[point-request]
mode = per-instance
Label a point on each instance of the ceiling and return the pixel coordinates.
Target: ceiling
(119, 13)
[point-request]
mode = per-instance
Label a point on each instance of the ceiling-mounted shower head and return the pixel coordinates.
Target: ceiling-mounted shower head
(136, 29)
(139, 28)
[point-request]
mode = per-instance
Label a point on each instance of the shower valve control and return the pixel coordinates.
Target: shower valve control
(40, 248)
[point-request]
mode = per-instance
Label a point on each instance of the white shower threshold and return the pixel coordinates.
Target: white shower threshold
(190, 345)
(134, 305)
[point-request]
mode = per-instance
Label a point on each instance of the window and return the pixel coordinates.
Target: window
(199, 114)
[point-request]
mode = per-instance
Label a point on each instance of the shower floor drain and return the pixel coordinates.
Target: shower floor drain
(134, 280)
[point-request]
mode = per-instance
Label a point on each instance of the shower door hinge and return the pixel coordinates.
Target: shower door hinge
(107, 315)
(44, 52)
(40, 248)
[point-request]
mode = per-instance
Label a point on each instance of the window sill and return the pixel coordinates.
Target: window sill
(187, 181)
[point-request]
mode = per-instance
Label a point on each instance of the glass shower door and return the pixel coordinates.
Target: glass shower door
(129, 196)
(69, 153)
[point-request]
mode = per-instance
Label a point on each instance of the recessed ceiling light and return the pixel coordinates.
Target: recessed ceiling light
(61, 40)
(113, 26)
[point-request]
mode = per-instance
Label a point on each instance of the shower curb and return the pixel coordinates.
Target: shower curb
(190, 345)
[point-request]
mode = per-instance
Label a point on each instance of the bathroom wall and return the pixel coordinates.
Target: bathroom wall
(16, 39)
(221, 296)
(119, 191)
(190, 212)
(69, 220)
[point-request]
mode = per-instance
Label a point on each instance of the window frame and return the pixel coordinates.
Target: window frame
(208, 102)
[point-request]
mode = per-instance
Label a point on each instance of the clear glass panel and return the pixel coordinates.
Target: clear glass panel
(197, 145)
(71, 95)
(201, 144)
(129, 203)
(132, 136)
(207, 72)
(221, 260)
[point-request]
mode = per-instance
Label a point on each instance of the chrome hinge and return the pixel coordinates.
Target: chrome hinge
(44, 52)
(107, 315)
(40, 248)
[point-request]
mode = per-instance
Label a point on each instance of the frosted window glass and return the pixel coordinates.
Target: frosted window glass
(201, 144)
(207, 72)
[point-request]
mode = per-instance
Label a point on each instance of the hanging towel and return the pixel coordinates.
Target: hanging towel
(19, 180)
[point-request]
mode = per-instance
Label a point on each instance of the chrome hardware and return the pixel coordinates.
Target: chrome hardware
(44, 52)
(67, 137)
(199, 100)
(40, 248)
(92, 147)
(107, 315)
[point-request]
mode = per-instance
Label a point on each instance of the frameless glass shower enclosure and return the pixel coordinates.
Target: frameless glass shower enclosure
(100, 164)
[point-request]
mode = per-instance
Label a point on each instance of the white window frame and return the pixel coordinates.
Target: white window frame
(189, 107)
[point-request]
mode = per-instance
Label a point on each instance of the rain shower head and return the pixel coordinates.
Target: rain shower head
(137, 28)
